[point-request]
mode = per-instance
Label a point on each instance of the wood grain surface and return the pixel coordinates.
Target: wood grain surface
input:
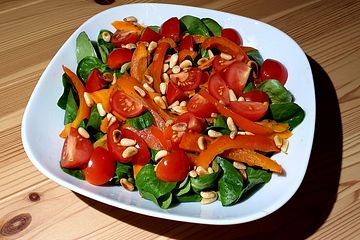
(326, 206)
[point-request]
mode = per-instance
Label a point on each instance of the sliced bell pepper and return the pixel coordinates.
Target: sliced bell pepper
(226, 46)
(240, 121)
(223, 143)
(252, 158)
(206, 64)
(189, 141)
(139, 62)
(186, 54)
(170, 41)
(198, 39)
(83, 110)
(122, 25)
(158, 64)
(102, 96)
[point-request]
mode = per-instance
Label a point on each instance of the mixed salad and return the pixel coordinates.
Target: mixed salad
(180, 112)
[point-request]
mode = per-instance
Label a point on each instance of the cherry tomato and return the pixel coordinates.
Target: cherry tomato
(125, 105)
(200, 107)
(150, 35)
(160, 137)
(204, 77)
(173, 136)
(118, 57)
(187, 81)
(187, 43)
(173, 93)
(233, 35)
(94, 81)
(143, 155)
(171, 29)
(121, 37)
(218, 88)
(220, 64)
(101, 167)
(193, 123)
(236, 76)
(173, 167)
(76, 150)
(248, 109)
(113, 137)
(256, 96)
(273, 69)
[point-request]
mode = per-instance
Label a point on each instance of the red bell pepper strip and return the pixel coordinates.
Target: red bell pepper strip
(83, 110)
(240, 121)
(158, 63)
(189, 141)
(221, 144)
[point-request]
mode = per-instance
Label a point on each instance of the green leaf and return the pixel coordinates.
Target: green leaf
(194, 25)
(287, 112)
(87, 64)
(255, 179)
(84, 47)
(123, 170)
(104, 47)
(191, 197)
(249, 87)
(165, 201)
(184, 187)
(140, 122)
(230, 184)
(276, 91)
(256, 56)
(155, 28)
(75, 172)
(220, 125)
(213, 26)
(204, 53)
(94, 119)
(70, 109)
(67, 86)
(206, 181)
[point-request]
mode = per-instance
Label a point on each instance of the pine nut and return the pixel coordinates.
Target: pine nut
(210, 53)
(160, 154)
(141, 92)
(232, 96)
(89, 102)
(148, 88)
(127, 142)
(129, 46)
(185, 64)
(129, 152)
(208, 194)
(111, 121)
(114, 79)
(225, 56)
(213, 115)
(166, 67)
(214, 134)
(243, 174)
(201, 61)
(179, 109)
(193, 174)
(116, 135)
(210, 170)
(183, 104)
(100, 109)
(179, 127)
(205, 201)
(106, 36)
(230, 123)
(201, 143)
(173, 60)
(239, 165)
(201, 171)
(163, 87)
(108, 77)
(149, 79)
(233, 134)
(82, 131)
(130, 19)
(176, 103)
(152, 46)
(169, 122)
(248, 133)
(126, 184)
(160, 102)
(165, 77)
(109, 116)
(278, 141)
(285, 145)
(241, 133)
(176, 69)
(241, 99)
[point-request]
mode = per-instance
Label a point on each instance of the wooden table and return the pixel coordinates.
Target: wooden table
(327, 204)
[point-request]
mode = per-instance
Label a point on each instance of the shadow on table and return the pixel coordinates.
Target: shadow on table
(303, 214)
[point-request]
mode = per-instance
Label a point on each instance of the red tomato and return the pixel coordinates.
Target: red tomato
(125, 105)
(160, 137)
(100, 168)
(150, 35)
(236, 76)
(200, 107)
(193, 123)
(187, 43)
(76, 150)
(204, 77)
(187, 81)
(171, 29)
(232, 35)
(173, 167)
(118, 57)
(218, 88)
(220, 64)
(256, 96)
(94, 81)
(114, 147)
(173, 136)
(174, 93)
(121, 37)
(273, 69)
(250, 110)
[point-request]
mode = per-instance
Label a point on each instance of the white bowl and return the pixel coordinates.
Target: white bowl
(43, 120)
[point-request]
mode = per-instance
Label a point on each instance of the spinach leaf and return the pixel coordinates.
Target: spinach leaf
(287, 112)
(155, 28)
(276, 91)
(249, 87)
(153, 152)
(75, 172)
(70, 109)
(84, 47)
(191, 197)
(165, 200)
(213, 26)
(255, 178)
(145, 120)
(204, 53)
(87, 64)
(94, 119)
(256, 56)
(194, 25)
(230, 184)
(184, 188)
(206, 181)
(67, 87)
(104, 47)
(220, 125)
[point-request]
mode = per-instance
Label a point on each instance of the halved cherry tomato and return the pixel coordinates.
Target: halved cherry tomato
(159, 136)
(173, 136)
(76, 150)
(187, 81)
(218, 88)
(193, 123)
(173, 167)
(220, 64)
(256, 96)
(150, 35)
(174, 93)
(200, 107)
(171, 29)
(125, 105)
(187, 43)
(114, 147)
(118, 57)
(250, 110)
(232, 35)
(94, 81)
(100, 168)
(204, 77)
(273, 69)
(121, 37)
(236, 75)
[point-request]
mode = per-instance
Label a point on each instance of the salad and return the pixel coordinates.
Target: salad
(180, 112)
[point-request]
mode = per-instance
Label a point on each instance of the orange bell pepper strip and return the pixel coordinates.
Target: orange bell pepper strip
(186, 54)
(189, 141)
(139, 62)
(158, 63)
(223, 143)
(252, 158)
(207, 64)
(240, 121)
(128, 26)
(102, 96)
(83, 110)
(170, 41)
(226, 46)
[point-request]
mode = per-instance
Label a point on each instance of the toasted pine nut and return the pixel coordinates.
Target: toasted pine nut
(165, 77)
(201, 171)
(179, 109)
(285, 145)
(201, 61)
(126, 184)
(248, 133)
(169, 122)
(129, 46)
(179, 127)
(214, 134)
(213, 115)
(82, 131)
(208, 194)
(233, 134)
(278, 141)
(163, 87)
(210, 170)
(176, 103)
(241, 133)
(176, 69)
(149, 79)
(193, 174)
(130, 19)
(152, 46)
(109, 116)
(106, 36)
(225, 56)
(160, 154)
(185, 64)
(201, 143)
(210, 53)
(100, 109)
(183, 104)
(241, 99)
(205, 201)
(108, 77)
(114, 79)
(89, 102)
(232, 96)
(111, 121)
(166, 67)
(116, 135)
(141, 92)
(129, 152)
(126, 142)
(239, 165)
(173, 60)
(243, 174)
(230, 123)
(160, 102)
(148, 88)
